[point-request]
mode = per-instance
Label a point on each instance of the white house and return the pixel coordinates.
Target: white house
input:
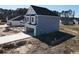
(76, 22)
(40, 21)
(16, 21)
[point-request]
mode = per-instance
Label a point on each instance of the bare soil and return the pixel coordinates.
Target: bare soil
(62, 42)
(10, 31)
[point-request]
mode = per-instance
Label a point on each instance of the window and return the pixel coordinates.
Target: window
(28, 19)
(33, 20)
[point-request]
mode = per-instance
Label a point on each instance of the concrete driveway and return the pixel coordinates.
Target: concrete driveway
(5, 25)
(14, 37)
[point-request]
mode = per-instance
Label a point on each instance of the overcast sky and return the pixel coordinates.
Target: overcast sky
(51, 7)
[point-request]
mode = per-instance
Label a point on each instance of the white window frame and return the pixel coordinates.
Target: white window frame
(33, 21)
(28, 20)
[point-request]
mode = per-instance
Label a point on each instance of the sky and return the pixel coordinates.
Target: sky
(51, 7)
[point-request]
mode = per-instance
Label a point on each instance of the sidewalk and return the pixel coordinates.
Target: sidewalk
(5, 25)
(10, 38)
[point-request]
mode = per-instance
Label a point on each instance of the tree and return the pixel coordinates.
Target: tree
(68, 13)
(56, 13)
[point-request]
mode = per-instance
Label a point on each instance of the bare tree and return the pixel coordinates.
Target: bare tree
(68, 13)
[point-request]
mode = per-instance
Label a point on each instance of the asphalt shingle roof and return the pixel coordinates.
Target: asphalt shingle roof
(43, 11)
(19, 18)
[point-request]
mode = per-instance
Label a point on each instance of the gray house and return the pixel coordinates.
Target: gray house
(40, 21)
(69, 21)
(16, 21)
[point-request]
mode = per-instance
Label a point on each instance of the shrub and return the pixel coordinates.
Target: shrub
(20, 43)
(8, 46)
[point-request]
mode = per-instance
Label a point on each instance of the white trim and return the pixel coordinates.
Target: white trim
(28, 20)
(34, 10)
(33, 21)
(30, 8)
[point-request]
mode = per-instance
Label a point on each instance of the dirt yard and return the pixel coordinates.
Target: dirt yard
(71, 27)
(35, 46)
(62, 42)
(11, 30)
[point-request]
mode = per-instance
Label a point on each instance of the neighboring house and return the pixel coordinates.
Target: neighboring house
(69, 21)
(16, 21)
(40, 21)
(76, 20)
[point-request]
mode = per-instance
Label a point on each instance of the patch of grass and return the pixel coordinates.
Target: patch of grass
(73, 27)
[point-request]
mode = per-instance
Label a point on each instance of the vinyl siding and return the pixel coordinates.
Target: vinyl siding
(47, 24)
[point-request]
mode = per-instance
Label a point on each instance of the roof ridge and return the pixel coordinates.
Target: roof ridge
(38, 6)
(43, 11)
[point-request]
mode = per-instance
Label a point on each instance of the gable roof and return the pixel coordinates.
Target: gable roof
(18, 18)
(43, 11)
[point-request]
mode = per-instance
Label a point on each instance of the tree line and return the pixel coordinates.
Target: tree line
(22, 11)
(11, 13)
